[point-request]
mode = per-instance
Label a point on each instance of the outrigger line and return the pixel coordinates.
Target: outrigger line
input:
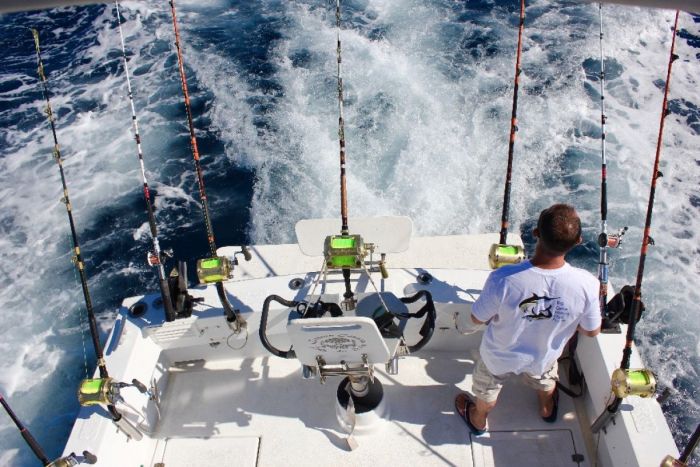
(502, 253)
(156, 258)
(605, 240)
(92, 391)
(639, 382)
(233, 316)
(71, 459)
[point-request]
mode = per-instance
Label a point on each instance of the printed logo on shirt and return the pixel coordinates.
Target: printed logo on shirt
(542, 307)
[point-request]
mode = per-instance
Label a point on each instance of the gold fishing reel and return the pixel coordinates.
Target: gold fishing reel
(213, 270)
(344, 251)
(97, 391)
(670, 461)
(639, 382)
(501, 255)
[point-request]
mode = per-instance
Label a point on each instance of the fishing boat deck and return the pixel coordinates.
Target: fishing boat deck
(224, 399)
(263, 404)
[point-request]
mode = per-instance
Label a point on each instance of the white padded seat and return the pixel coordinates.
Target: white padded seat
(337, 340)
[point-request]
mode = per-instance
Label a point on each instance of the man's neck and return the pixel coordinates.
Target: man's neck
(546, 260)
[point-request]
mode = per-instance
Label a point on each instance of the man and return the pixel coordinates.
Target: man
(531, 310)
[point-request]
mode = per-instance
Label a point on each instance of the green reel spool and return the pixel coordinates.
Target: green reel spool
(213, 270)
(501, 254)
(343, 251)
(639, 382)
(95, 392)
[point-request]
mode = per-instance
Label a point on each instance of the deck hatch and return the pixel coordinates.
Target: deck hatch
(239, 451)
(525, 448)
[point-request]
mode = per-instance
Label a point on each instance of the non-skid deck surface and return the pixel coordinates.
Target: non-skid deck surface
(295, 422)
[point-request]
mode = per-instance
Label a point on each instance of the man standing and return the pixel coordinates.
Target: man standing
(531, 310)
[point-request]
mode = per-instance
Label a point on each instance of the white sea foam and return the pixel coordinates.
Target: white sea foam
(427, 114)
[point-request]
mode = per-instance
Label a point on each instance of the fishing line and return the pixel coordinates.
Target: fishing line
(156, 258)
(233, 316)
(647, 240)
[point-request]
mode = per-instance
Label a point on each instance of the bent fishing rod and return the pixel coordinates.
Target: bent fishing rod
(71, 459)
(623, 382)
(156, 259)
(104, 390)
(233, 316)
(77, 257)
(502, 253)
(605, 240)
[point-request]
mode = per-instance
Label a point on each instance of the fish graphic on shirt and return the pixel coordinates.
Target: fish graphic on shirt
(537, 307)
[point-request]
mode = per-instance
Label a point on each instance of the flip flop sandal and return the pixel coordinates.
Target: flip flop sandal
(555, 408)
(465, 416)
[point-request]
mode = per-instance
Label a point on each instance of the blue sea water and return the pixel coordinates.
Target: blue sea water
(428, 88)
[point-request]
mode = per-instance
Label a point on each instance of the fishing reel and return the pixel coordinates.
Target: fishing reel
(501, 255)
(345, 251)
(638, 382)
(155, 260)
(73, 459)
(219, 268)
(612, 240)
(670, 461)
(105, 391)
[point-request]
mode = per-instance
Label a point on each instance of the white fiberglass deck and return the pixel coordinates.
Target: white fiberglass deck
(263, 400)
(225, 400)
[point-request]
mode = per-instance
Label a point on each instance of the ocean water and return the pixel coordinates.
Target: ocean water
(428, 87)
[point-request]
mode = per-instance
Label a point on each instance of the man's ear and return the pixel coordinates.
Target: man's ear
(536, 232)
(580, 240)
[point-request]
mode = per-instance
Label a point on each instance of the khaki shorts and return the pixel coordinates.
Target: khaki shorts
(486, 385)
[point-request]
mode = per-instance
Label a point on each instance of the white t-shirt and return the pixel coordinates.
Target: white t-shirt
(533, 314)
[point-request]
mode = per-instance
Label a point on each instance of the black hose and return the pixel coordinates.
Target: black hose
(263, 326)
(428, 327)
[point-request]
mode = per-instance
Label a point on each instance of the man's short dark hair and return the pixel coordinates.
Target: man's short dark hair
(559, 227)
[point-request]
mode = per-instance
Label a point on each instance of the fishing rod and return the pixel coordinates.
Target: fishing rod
(502, 253)
(639, 382)
(605, 240)
(344, 229)
(157, 257)
(92, 391)
(71, 459)
(216, 268)
(77, 258)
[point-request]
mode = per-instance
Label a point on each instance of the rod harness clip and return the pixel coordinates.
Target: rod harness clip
(502, 254)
